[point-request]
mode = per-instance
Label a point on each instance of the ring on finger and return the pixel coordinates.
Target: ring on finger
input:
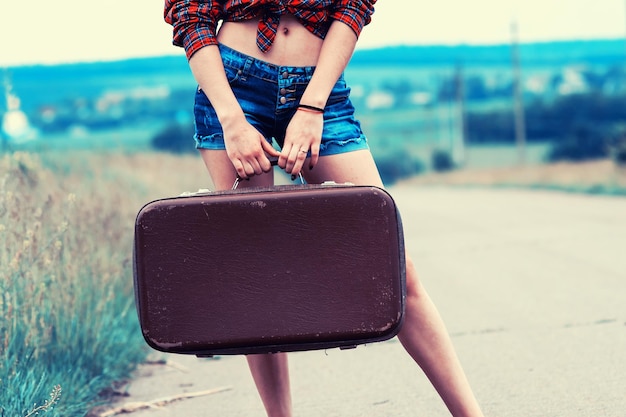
(303, 151)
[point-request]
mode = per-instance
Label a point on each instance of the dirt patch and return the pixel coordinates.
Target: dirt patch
(602, 177)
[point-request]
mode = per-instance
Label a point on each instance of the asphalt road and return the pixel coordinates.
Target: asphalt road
(532, 286)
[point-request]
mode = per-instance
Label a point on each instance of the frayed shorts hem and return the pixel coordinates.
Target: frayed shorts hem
(332, 147)
(269, 96)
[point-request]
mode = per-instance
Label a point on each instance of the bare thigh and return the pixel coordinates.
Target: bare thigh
(357, 167)
(223, 173)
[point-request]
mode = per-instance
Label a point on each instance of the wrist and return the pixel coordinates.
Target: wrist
(309, 108)
(309, 100)
(231, 117)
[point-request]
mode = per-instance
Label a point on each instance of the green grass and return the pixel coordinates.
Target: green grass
(67, 316)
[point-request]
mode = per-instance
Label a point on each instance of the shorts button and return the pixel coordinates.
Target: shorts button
(283, 100)
(283, 91)
(285, 74)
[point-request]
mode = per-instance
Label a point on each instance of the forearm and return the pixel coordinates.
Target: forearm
(334, 56)
(245, 146)
(208, 70)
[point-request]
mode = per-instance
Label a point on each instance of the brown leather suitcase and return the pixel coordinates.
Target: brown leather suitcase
(277, 269)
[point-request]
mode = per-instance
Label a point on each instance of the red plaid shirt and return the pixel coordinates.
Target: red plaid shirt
(195, 22)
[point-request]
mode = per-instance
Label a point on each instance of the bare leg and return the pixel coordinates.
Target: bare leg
(270, 372)
(423, 333)
(271, 376)
(426, 339)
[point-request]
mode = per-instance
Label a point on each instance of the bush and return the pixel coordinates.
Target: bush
(397, 165)
(582, 144)
(618, 150)
(442, 161)
(548, 120)
(175, 138)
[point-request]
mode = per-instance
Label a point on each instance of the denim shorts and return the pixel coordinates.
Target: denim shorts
(269, 95)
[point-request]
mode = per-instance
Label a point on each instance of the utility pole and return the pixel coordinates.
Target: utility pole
(624, 34)
(458, 148)
(4, 140)
(518, 97)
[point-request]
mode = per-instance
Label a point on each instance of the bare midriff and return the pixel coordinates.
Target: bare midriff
(294, 44)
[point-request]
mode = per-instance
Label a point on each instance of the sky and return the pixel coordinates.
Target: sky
(50, 32)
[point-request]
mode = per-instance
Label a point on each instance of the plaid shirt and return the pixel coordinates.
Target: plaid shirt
(195, 22)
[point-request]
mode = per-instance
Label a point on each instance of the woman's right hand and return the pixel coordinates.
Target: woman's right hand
(247, 148)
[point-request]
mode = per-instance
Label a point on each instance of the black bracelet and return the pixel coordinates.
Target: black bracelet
(312, 108)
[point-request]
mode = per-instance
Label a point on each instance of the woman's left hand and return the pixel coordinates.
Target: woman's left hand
(302, 140)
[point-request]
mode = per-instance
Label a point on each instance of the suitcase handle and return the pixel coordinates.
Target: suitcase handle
(274, 162)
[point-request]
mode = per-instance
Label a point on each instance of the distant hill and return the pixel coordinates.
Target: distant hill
(37, 85)
(557, 52)
(611, 51)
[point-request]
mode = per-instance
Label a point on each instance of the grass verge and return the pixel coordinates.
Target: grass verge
(600, 177)
(68, 325)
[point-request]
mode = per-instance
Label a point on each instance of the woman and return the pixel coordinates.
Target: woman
(274, 70)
